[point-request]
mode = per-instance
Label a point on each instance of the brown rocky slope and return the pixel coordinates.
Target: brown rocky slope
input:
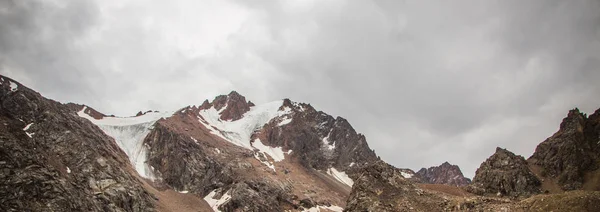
(52, 160)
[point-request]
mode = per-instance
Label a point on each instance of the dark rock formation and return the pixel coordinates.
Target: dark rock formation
(505, 173)
(443, 174)
(52, 160)
(379, 186)
(318, 140)
(231, 107)
(183, 164)
(572, 151)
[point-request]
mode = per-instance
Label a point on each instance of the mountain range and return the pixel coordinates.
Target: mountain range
(230, 154)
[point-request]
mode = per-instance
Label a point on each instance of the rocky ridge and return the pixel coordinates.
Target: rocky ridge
(505, 173)
(445, 173)
(570, 156)
(52, 160)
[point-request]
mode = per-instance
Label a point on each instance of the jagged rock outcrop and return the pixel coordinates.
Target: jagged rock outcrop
(443, 174)
(52, 160)
(505, 173)
(572, 152)
(231, 107)
(320, 140)
(379, 186)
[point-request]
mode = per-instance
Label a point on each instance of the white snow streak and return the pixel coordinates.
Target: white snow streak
(68, 170)
(30, 135)
(215, 203)
(406, 175)
(275, 152)
(340, 176)
(318, 208)
(239, 131)
(13, 86)
(129, 133)
(27, 127)
(284, 122)
(326, 142)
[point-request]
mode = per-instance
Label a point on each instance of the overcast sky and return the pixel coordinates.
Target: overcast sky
(425, 81)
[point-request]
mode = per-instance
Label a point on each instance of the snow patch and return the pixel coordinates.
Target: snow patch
(217, 150)
(68, 170)
(13, 86)
(196, 141)
(184, 192)
(340, 176)
(318, 208)
(275, 152)
(326, 142)
(239, 131)
(406, 175)
(30, 135)
(352, 164)
(267, 163)
(215, 203)
(129, 133)
(27, 127)
(284, 122)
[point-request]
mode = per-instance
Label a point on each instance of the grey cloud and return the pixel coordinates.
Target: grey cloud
(426, 82)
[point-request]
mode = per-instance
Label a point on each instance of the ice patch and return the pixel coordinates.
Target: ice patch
(340, 176)
(13, 86)
(215, 203)
(239, 131)
(129, 133)
(406, 175)
(318, 208)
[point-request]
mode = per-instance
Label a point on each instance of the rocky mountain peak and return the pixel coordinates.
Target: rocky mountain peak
(445, 173)
(231, 107)
(574, 121)
(571, 152)
(505, 173)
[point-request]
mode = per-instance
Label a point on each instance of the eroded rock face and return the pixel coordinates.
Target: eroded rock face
(52, 160)
(443, 174)
(317, 139)
(183, 164)
(231, 107)
(380, 187)
(572, 151)
(505, 173)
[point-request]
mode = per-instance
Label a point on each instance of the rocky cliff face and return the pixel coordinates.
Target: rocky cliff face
(505, 173)
(52, 160)
(572, 152)
(381, 187)
(443, 174)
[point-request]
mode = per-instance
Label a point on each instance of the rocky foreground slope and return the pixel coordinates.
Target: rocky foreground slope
(564, 167)
(52, 160)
